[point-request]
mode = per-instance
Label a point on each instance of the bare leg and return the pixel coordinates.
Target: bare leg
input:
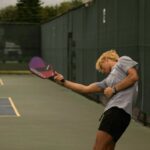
(103, 141)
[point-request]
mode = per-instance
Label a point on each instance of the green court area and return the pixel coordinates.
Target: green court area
(52, 117)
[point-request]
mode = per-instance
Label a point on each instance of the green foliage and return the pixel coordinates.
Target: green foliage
(8, 14)
(48, 12)
(29, 10)
(67, 5)
(33, 11)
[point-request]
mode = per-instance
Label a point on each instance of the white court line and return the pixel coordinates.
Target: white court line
(1, 82)
(14, 107)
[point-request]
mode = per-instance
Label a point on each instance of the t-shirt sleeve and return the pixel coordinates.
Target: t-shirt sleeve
(102, 84)
(126, 63)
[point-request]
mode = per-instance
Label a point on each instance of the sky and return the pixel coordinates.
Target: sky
(4, 3)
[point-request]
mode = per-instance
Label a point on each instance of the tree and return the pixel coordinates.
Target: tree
(67, 5)
(8, 14)
(33, 11)
(76, 3)
(48, 12)
(29, 10)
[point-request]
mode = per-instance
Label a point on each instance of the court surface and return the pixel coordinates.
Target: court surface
(55, 118)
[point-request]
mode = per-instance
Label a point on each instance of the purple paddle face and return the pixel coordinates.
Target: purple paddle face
(36, 62)
(40, 68)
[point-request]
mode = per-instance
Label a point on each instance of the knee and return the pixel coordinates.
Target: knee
(94, 147)
(103, 141)
(104, 146)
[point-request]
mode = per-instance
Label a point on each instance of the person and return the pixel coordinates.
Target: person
(120, 86)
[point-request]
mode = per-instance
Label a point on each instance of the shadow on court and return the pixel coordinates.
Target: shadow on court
(55, 118)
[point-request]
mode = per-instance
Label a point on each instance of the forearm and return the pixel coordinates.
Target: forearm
(127, 82)
(80, 88)
(75, 86)
(123, 84)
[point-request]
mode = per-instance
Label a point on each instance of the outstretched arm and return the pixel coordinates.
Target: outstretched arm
(80, 88)
(91, 88)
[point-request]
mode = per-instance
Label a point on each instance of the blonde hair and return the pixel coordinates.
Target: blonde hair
(110, 54)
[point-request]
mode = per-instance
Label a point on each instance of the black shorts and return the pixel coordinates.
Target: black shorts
(114, 121)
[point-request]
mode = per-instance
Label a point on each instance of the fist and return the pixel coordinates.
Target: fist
(108, 92)
(58, 77)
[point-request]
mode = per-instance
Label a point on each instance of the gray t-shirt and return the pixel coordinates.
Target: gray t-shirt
(123, 99)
